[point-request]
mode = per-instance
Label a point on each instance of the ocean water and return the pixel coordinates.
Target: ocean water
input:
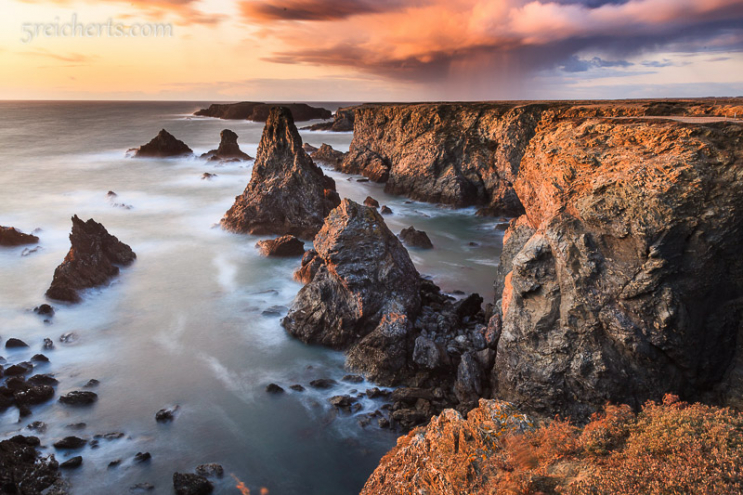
(185, 324)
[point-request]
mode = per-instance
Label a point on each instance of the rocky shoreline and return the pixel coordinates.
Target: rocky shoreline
(619, 279)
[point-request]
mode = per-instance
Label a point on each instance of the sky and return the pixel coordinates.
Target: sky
(369, 50)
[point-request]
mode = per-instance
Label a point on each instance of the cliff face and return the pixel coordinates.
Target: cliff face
(631, 285)
(468, 154)
(456, 154)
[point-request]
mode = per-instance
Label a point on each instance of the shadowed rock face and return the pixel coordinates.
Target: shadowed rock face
(342, 122)
(365, 274)
(260, 112)
(9, 236)
(91, 261)
(162, 146)
(287, 193)
(228, 148)
(627, 282)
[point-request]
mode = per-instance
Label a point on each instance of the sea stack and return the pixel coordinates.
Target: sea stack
(287, 193)
(366, 275)
(164, 145)
(9, 236)
(91, 261)
(228, 148)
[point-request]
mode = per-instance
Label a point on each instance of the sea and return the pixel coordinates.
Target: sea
(195, 322)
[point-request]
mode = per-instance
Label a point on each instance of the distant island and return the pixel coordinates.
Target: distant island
(258, 112)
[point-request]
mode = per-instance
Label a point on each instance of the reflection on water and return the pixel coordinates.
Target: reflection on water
(185, 324)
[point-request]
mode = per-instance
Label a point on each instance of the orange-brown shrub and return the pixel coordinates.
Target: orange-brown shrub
(667, 449)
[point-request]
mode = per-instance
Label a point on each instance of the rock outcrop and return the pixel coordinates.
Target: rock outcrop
(327, 154)
(9, 236)
(286, 245)
(624, 278)
(164, 145)
(365, 275)
(342, 122)
(287, 193)
(415, 238)
(228, 148)
(23, 470)
(260, 112)
(93, 259)
(450, 455)
(363, 294)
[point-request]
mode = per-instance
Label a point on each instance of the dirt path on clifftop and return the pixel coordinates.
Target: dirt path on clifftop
(683, 119)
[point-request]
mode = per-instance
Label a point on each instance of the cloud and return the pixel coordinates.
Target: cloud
(576, 64)
(185, 10)
(312, 10)
(76, 58)
(437, 40)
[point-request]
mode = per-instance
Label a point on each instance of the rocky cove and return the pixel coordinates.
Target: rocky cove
(618, 279)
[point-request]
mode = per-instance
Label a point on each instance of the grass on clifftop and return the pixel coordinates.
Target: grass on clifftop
(669, 448)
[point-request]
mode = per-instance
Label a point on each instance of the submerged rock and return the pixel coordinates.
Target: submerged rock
(287, 192)
(13, 343)
(72, 463)
(162, 146)
(365, 274)
(9, 236)
(212, 470)
(416, 238)
(228, 148)
(286, 245)
(91, 261)
(79, 398)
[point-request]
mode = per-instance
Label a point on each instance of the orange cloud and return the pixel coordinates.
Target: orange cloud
(425, 38)
(185, 10)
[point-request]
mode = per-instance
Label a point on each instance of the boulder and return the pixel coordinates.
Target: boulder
(93, 259)
(272, 388)
(323, 383)
(371, 202)
(9, 236)
(163, 145)
(385, 210)
(228, 148)
(70, 443)
(13, 343)
(365, 274)
(327, 154)
(416, 238)
(72, 463)
(79, 398)
(191, 484)
(287, 192)
(44, 310)
(283, 246)
(166, 414)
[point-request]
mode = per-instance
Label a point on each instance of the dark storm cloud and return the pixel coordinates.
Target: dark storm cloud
(312, 10)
